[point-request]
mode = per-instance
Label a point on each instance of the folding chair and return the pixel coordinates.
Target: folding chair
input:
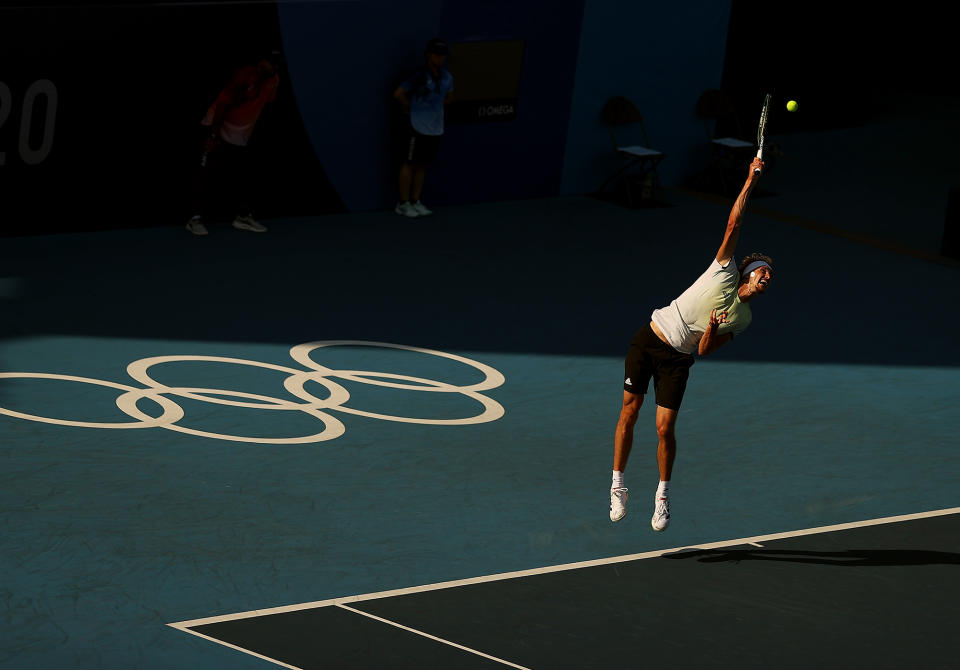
(729, 153)
(619, 112)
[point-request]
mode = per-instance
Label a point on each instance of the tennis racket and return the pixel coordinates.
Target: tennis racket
(762, 129)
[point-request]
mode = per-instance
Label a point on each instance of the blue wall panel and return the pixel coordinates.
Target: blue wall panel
(346, 58)
(521, 158)
(659, 55)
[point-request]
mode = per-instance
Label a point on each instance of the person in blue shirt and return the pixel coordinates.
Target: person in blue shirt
(422, 97)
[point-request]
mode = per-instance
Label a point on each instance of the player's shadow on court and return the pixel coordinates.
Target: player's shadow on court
(849, 557)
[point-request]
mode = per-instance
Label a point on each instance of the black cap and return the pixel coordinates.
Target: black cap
(437, 46)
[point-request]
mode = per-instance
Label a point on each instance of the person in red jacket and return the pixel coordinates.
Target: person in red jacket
(230, 121)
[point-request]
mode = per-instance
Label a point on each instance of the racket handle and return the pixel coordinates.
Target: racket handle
(760, 156)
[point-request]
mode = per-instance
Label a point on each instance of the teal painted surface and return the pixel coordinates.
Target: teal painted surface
(108, 535)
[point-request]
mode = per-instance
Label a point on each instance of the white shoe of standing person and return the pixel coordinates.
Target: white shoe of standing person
(406, 209)
(195, 226)
(618, 503)
(249, 223)
(421, 209)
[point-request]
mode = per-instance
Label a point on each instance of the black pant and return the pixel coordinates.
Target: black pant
(222, 181)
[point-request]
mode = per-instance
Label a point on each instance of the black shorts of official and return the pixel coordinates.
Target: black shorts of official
(421, 149)
(649, 356)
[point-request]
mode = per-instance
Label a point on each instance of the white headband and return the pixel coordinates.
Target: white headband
(756, 264)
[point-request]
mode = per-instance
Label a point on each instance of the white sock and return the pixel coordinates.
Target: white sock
(617, 480)
(663, 491)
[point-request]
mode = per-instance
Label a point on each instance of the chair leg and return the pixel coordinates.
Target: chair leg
(625, 167)
(657, 188)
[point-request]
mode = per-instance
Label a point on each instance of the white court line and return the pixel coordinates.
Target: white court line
(233, 646)
(183, 625)
(756, 544)
(432, 637)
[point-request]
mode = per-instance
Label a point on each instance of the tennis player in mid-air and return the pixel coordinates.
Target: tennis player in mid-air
(704, 318)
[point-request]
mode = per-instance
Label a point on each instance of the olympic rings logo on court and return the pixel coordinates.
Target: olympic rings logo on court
(295, 384)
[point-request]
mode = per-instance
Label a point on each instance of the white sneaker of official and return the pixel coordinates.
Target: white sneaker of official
(661, 513)
(421, 209)
(249, 223)
(195, 226)
(618, 503)
(406, 209)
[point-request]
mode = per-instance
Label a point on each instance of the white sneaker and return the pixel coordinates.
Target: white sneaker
(406, 209)
(661, 513)
(195, 226)
(249, 223)
(421, 209)
(618, 503)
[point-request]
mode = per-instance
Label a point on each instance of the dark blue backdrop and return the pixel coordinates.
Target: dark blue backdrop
(134, 80)
(347, 58)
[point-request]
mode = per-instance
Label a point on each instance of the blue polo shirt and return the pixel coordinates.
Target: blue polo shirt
(426, 103)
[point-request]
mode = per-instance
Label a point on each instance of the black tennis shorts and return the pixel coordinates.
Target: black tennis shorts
(649, 356)
(421, 149)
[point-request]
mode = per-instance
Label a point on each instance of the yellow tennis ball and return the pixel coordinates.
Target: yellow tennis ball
(792, 106)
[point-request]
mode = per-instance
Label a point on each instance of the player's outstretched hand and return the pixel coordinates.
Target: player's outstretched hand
(757, 164)
(717, 318)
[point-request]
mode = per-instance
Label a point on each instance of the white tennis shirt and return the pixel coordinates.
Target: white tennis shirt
(684, 320)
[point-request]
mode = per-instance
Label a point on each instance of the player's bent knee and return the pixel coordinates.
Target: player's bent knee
(628, 416)
(665, 431)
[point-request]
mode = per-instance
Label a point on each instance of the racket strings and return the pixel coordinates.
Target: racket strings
(762, 128)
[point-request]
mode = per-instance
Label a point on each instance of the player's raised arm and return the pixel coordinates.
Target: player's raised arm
(732, 235)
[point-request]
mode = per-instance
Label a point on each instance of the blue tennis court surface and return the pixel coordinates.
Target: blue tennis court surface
(249, 478)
